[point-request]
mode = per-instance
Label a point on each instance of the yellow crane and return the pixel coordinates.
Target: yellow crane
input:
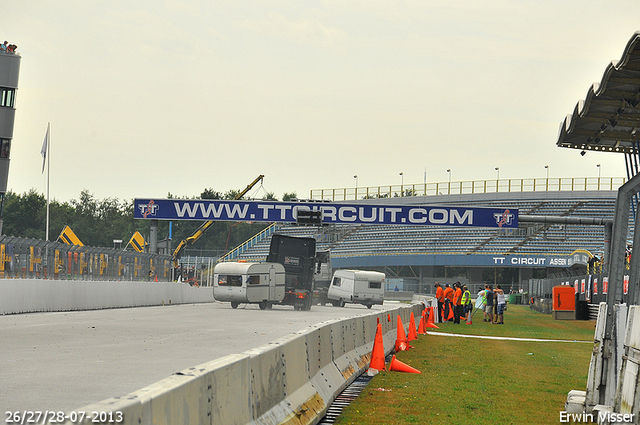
(203, 228)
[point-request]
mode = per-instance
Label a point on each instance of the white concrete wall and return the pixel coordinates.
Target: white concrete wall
(291, 380)
(31, 295)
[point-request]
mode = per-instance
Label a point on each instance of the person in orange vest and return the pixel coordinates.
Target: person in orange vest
(448, 301)
(440, 298)
(457, 303)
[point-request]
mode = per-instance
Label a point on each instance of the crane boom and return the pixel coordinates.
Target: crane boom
(203, 228)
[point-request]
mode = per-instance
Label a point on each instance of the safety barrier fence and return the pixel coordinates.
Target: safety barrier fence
(291, 380)
(470, 187)
(592, 288)
(38, 259)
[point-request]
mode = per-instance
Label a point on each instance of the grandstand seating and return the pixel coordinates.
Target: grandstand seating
(529, 239)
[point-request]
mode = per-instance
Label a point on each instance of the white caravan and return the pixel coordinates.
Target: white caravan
(240, 282)
(356, 286)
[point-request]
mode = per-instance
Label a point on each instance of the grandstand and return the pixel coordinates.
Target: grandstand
(419, 253)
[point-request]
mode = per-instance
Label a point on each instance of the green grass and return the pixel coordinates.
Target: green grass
(481, 381)
(522, 322)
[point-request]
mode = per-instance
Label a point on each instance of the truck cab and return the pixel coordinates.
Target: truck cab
(298, 257)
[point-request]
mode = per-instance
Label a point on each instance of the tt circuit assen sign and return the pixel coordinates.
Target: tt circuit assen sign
(357, 213)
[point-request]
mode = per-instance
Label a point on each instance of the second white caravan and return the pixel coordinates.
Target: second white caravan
(356, 286)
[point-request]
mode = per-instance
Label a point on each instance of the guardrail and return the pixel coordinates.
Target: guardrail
(38, 259)
(291, 380)
(470, 187)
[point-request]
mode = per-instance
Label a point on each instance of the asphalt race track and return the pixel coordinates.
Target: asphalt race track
(64, 361)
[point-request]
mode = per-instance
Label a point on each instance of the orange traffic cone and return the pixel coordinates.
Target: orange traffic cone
(377, 354)
(397, 366)
(421, 328)
(431, 323)
(450, 312)
(401, 337)
(412, 329)
(388, 317)
(469, 319)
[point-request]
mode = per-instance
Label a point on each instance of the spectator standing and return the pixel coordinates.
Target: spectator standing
(467, 306)
(440, 298)
(448, 302)
(488, 293)
(481, 302)
(501, 302)
(457, 303)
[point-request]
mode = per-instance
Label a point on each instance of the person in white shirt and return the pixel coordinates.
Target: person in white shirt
(502, 304)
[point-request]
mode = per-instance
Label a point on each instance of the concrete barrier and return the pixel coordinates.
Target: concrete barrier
(398, 295)
(292, 380)
(36, 295)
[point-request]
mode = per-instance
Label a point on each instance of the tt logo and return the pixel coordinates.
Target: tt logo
(149, 209)
(505, 218)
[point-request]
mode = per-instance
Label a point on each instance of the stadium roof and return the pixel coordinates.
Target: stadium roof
(609, 118)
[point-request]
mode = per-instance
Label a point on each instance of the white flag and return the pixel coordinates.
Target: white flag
(43, 151)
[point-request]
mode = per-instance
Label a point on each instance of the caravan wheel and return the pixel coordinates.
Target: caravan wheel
(234, 304)
(263, 305)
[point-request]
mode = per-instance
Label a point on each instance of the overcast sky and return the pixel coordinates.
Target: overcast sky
(147, 98)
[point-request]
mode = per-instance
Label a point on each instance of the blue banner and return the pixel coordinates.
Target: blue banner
(458, 260)
(356, 213)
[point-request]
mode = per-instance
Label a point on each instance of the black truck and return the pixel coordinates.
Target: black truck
(298, 256)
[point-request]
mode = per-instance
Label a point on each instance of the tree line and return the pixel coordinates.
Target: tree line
(98, 222)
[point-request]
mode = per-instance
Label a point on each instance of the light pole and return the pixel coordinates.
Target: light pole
(401, 183)
(547, 182)
(449, 187)
(498, 173)
(356, 194)
(599, 170)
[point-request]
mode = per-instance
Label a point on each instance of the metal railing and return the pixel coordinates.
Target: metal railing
(470, 187)
(235, 253)
(38, 259)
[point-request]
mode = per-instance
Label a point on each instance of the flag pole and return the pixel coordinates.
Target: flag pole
(48, 171)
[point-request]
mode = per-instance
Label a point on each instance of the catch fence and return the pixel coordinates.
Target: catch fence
(37, 259)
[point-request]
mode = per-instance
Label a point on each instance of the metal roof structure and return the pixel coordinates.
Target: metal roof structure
(608, 120)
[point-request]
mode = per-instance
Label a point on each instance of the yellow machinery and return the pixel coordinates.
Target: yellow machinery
(203, 228)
